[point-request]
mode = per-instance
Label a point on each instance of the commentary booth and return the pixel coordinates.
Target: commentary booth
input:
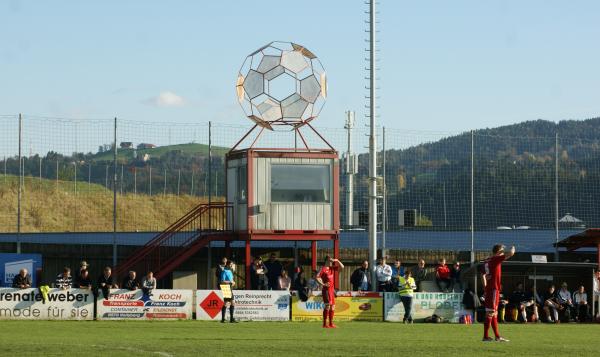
(284, 194)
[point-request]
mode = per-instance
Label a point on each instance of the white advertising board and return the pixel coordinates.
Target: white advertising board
(28, 304)
(446, 305)
(162, 305)
(250, 305)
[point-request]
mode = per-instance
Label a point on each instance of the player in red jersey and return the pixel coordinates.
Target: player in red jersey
(492, 276)
(325, 279)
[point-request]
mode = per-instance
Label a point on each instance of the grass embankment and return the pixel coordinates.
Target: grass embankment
(62, 206)
(193, 338)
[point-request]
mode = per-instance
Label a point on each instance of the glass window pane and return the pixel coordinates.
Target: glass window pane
(300, 183)
(242, 184)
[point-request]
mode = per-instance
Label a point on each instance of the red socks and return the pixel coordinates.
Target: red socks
(330, 317)
(495, 326)
(325, 313)
(486, 327)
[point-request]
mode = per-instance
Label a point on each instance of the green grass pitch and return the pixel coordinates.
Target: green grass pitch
(195, 338)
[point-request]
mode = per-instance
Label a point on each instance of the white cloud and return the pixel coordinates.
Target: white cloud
(166, 99)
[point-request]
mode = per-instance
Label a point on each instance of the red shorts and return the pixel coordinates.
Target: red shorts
(491, 300)
(328, 296)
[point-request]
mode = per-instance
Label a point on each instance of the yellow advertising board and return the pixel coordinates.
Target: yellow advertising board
(349, 305)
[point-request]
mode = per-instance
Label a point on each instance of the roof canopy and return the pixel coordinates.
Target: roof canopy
(569, 218)
(586, 239)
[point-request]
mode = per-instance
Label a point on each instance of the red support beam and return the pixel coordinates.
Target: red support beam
(598, 253)
(313, 255)
(336, 255)
(248, 263)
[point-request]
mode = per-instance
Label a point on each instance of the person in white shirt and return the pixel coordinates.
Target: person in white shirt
(284, 281)
(148, 284)
(581, 304)
(384, 275)
(566, 301)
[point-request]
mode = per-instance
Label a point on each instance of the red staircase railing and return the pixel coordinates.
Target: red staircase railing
(171, 247)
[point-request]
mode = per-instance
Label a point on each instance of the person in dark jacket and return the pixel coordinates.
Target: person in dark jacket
(274, 268)
(105, 282)
(84, 281)
(361, 278)
(131, 282)
(456, 278)
(300, 285)
(22, 280)
(258, 272)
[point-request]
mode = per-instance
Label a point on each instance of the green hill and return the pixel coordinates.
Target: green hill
(50, 206)
(159, 152)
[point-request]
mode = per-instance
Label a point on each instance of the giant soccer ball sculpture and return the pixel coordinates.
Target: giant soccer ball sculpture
(281, 84)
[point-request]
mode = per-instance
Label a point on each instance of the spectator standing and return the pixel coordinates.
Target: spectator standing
(301, 285)
(106, 282)
(384, 275)
(219, 270)
(470, 302)
(131, 282)
(148, 284)
(226, 278)
(84, 281)
(82, 266)
(420, 274)
(442, 276)
(259, 275)
(456, 278)
(581, 304)
(22, 280)
(274, 269)
(313, 284)
(551, 304)
(406, 286)
(397, 271)
(565, 299)
(64, 281)
(361, 278)
(284, 281)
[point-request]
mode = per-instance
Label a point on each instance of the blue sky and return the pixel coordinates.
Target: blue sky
(445, 65)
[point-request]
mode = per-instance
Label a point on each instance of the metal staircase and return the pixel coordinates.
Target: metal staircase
(181, 240)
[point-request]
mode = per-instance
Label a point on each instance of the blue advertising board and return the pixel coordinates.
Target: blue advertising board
(11, 263)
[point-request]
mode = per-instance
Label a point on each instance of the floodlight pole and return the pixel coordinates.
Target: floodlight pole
(472, 197)
(372, 146)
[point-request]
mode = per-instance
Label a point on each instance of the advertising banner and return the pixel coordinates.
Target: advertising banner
(29, 304)
(161, 305)
(11, 263)
(349, 305)
(446, 305)
(250, 305)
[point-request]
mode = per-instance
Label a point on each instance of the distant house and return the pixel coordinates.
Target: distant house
(126, 145)
(146, 146)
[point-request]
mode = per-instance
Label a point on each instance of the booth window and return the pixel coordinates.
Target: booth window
(300, 183)
(242, 184)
